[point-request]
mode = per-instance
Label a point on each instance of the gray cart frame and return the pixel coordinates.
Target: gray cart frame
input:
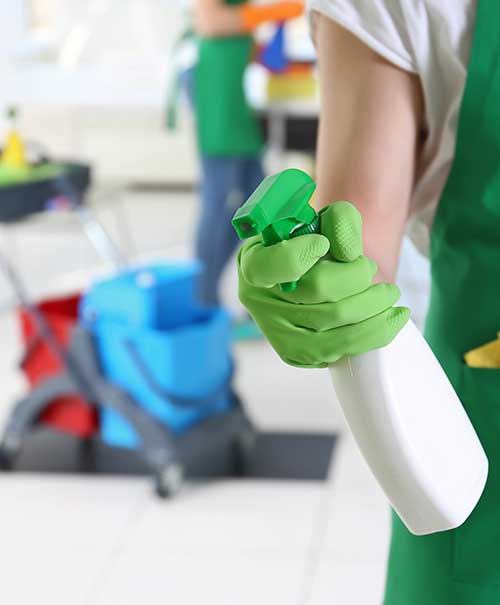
(164, 452)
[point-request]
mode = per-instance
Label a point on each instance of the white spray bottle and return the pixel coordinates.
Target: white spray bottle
(403, 412)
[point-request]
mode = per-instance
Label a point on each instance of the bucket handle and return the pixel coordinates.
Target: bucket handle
(181, 402)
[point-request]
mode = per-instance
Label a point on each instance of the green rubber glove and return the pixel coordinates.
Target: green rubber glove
(335, 310)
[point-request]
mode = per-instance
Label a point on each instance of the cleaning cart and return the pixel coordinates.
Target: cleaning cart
(153, 374)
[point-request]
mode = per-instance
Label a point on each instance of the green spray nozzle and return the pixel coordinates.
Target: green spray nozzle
(279, 209)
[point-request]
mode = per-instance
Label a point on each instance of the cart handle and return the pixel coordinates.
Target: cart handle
(30, 347)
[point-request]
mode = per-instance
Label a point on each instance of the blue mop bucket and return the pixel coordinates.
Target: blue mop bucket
(179, 370)
(153, 296)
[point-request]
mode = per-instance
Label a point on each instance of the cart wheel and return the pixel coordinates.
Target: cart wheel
(169, 480)
(243, 449)
(7, 459)
(87, 454)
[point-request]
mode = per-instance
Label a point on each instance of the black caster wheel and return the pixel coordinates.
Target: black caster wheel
(87, 455)
(169, 480)
(244, 446)
(7, 459)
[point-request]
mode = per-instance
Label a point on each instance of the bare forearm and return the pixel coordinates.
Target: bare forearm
(368, 139)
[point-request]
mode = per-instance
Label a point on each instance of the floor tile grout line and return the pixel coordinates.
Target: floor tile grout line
(116, 550)
(318, 534)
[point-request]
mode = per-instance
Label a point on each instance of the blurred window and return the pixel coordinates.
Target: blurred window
(75, 32)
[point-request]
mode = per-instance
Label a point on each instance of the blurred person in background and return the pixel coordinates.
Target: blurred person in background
(229, 139)
(410, 127)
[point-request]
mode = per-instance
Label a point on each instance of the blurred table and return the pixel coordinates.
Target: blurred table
(290, 126)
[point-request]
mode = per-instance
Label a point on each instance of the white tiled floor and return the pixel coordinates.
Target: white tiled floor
(108, 541)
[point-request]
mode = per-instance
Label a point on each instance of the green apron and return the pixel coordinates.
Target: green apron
(462, 566)
(226, 125)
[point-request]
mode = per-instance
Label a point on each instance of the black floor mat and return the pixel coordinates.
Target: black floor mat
(274, 456)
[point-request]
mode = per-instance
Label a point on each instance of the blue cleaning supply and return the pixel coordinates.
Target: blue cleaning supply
(180, 376)
(171, 355)
(273, 56)
(158, 296)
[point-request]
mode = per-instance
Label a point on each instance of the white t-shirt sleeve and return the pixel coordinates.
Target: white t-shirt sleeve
(380, 24)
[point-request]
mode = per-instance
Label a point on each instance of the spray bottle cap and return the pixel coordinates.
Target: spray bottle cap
(279, 209)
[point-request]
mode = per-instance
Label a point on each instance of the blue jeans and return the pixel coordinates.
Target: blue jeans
(226, 183)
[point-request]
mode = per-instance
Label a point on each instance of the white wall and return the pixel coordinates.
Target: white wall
(12, 20)
(108, 106)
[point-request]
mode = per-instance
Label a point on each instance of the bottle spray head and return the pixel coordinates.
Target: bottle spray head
(279, 210)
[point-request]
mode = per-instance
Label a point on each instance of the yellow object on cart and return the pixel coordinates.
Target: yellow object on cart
(14, 166)
(14, 154)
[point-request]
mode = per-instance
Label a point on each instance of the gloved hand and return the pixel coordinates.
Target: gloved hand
(254, 15)
(335, 310)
